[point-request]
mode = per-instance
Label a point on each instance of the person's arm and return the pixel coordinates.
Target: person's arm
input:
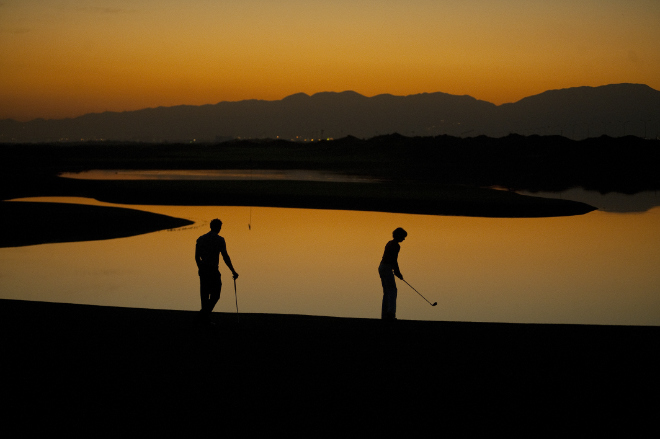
(392, 257)
(397, 272)
(198, 258)
(227, 259)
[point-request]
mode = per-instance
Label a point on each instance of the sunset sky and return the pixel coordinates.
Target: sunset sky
(65, 58)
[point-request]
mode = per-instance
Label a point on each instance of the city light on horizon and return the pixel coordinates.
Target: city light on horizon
(66, 59)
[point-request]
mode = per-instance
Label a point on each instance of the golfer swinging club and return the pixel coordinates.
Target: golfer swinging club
(388, 268)
(207, 256)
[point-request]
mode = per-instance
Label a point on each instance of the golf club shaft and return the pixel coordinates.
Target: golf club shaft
(238, 319)
(417, 292)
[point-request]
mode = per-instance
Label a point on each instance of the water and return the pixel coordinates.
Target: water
(598, 268)
(218, 174)
(609, 202)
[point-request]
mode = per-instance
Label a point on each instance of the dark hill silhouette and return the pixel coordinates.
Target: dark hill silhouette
(613, 110)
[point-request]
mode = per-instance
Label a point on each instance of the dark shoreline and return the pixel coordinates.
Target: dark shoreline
(35, 223)
(429, 175)
(32, 223)
(440, 175)
(29, 223)
(122, 371)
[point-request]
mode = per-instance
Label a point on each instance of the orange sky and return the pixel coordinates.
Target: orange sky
(64, 58)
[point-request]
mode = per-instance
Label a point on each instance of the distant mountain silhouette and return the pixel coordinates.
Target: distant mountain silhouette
(614, 110)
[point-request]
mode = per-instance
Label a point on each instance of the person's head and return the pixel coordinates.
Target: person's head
(216, 225)
(399, 234)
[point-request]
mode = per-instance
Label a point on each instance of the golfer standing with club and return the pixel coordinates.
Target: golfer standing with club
(388, 268)
(208, 249)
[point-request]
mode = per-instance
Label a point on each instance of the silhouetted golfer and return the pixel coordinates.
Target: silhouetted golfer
(388, 268)
(207, 256)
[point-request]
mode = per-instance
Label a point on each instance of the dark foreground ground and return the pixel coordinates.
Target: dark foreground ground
(99, 371)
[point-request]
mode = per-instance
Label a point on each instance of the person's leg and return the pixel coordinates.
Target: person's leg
(214, 291)
(203, 292)
(209, 285)
(388, 308)
(391, 299)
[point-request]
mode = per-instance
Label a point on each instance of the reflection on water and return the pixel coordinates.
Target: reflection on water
(217, 174)
(610, 202)
(598, 268)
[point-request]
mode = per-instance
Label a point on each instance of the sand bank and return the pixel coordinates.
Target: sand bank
(119, 371)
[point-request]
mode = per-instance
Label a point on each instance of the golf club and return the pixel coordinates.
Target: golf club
(432, 304)
(238, 319)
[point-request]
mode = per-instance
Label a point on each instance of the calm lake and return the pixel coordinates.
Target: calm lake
(598, 268)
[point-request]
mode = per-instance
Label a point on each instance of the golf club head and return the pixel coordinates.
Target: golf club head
(434, 303)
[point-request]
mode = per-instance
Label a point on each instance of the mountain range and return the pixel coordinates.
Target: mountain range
(614, 110)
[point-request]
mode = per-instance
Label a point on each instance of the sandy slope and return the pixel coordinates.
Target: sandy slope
(102, 371)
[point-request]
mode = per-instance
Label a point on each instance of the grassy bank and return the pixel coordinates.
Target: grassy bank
(119, 371)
